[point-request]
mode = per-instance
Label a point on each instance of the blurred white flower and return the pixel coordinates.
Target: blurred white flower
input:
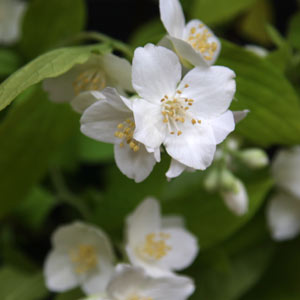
(132, 283)
(193, 41)
(156, 244)
(254, 158)
(81, 256)
(189, 116)
(97, 73)
(11, 12)
(111, 121)
(283, 211)
(257, 50)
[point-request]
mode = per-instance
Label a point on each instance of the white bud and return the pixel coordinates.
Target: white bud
(211, 181)
(254, 158)
(234, 193)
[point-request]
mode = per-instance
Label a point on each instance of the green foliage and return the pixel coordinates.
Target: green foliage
(16, 285)
(294, 31)
(271, 99)
(30, 135)
(48, 23)
(227, 271)
(9, 62)
(217, 11)
(71, 295)
(51, 64)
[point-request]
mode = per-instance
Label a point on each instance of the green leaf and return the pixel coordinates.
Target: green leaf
(92, 151)
(35, 208)
(271, 99)
(30, 135)
(9, 62)
(281, 281)
(47, 23)
(294, 31)
(51, 64)
(150, 32)
(16, 285)
(229, 270)
(217, 11)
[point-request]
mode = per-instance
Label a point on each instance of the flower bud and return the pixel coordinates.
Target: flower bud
(211, 181)
(234, 193)
(254, 158)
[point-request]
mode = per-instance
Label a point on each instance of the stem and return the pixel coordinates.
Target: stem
(100, 37)
(66, 196)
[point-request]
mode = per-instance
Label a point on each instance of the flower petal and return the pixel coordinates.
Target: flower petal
(212, 90)
(172, 221)
(101, 119)
(172, 17)
(81, 102)
(145, 219)
(135, 165)
(97, 282)
(188, 53)
(149, 123)
(195, 147)
(184, 249)
(202, 36)
(58, 272)
(283, 215)
(240, 115)
(156, 72)
(175, 169)
(118, 71)
(222, 126)
(286, 168)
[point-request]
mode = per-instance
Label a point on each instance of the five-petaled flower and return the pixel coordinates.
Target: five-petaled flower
(189, 116)
(82, 256)
(159, 245)
(194, 41)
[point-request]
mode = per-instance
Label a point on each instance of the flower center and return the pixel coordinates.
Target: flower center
(175, 111)
(136, 297)
(89, 80)
(84, 258)
(155, 246)
(125, 133)
(199, 39)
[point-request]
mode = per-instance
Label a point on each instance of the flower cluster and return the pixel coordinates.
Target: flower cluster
(156, 247)
(186, 115)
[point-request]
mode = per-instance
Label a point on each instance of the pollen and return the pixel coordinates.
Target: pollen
(136, 297)
(125, 133)
(84, 258)
(93, 79)
(199, 38)
(155, 246)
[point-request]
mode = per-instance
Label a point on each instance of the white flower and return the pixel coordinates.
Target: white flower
(94, 75)
(81, 256)
(132, 283)
(159, 246)
(193, 41)
(11, 12)
(111, 121)
(189, 117)
(283, 211)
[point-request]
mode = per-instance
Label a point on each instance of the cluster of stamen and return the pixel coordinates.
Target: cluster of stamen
(198, 38)
(175, 110)
(84, 258)
(89, 80)
(125, 133)
(155, 246)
